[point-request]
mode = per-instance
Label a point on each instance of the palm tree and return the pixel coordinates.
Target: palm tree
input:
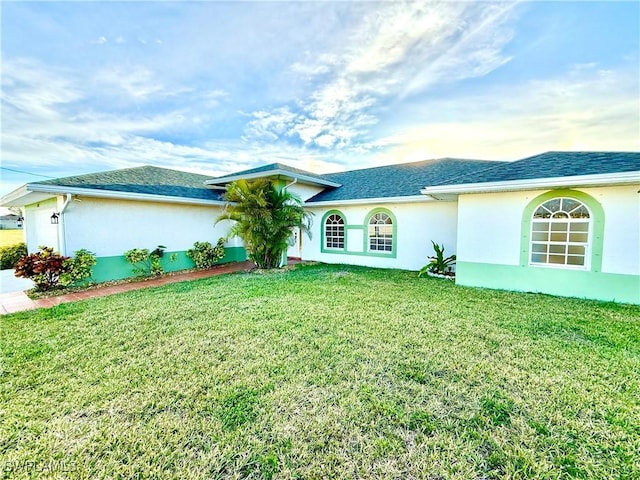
(264, 218)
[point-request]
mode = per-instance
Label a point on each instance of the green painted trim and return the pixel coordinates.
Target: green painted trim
(324, 249)
(111, 268)
(365, 236)
(597, 222)
(117, 268)
(234, 254)
(394, 242)
(554, 281)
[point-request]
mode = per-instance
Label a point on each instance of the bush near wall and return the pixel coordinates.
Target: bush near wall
(205, 255)
(9, 256)
(49, 270)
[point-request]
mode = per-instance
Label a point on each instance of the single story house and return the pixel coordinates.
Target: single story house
(563, 223)
(10, 222)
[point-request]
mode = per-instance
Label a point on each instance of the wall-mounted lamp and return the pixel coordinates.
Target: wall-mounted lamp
(55, 218)
(20, 220)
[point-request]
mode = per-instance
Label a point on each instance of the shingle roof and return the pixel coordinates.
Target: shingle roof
(396, 180)
(552, 165)
(272, 167)
(379, 182)
(146, 179)
(277, 169)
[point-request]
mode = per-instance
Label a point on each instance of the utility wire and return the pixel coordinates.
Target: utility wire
(26, 173)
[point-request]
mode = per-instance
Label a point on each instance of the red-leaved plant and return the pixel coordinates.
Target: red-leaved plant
(43, 267)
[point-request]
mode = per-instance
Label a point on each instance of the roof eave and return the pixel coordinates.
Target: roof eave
(24, 196)
(599, 180)
(9, 199)
(119, 195)
(273, 173)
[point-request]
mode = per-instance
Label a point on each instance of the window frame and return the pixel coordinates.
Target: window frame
(593, 255)
(394, 234)
(327, 236)
(549, 243)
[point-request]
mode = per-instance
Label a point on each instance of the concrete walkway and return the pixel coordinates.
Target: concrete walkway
(9, 283)
(18, 301)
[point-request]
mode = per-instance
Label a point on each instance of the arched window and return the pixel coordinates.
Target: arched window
(380, 233)
(560, 233)
(334, 232)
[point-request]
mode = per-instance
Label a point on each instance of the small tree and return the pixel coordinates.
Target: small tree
(265, 217)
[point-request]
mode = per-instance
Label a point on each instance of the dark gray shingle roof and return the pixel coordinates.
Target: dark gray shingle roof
(378, 182)
(147, 180)
(272, 167)
(552, 165)
(396, 180)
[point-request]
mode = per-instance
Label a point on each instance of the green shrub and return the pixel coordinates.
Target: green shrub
(205, 255)
(146, 263)
(139, 258)
(438, 264)
(10, 255)
(78, 268)
(50, 270)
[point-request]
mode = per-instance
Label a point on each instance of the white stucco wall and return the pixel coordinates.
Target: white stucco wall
(37, 225)
(303, 191)
(490, 227)
(621, 247)
(111, 227)
(417, 225)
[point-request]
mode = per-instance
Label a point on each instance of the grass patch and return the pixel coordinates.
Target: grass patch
(11, 237)
(322, 372)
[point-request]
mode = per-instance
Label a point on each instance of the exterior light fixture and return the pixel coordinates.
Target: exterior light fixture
(20, 220)
(55, 218)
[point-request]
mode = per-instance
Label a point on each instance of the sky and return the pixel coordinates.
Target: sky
(217, 87)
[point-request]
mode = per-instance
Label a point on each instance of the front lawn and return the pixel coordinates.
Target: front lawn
(321, 372)
(11, 237)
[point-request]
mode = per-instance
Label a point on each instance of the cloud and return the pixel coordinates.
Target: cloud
(396, 50)
(316, 85)
(586, 107)
(30, 93)
(48, 125)
(138, 82)
(213, 98)
(269, 125)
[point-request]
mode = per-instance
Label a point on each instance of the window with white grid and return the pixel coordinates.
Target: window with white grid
(334, 232)
(560, 233)
(380, 233)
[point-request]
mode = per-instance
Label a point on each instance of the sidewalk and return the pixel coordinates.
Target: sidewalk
(9, 283)
(18, 301)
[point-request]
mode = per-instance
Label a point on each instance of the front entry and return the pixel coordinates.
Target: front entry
(295, 250)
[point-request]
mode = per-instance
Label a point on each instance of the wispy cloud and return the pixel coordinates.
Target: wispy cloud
(38, 129)
(396, 50)
(319, 85)
(584, 108)
(140, 83)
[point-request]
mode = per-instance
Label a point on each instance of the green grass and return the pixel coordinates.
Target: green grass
(11, 237)
(322, 372)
